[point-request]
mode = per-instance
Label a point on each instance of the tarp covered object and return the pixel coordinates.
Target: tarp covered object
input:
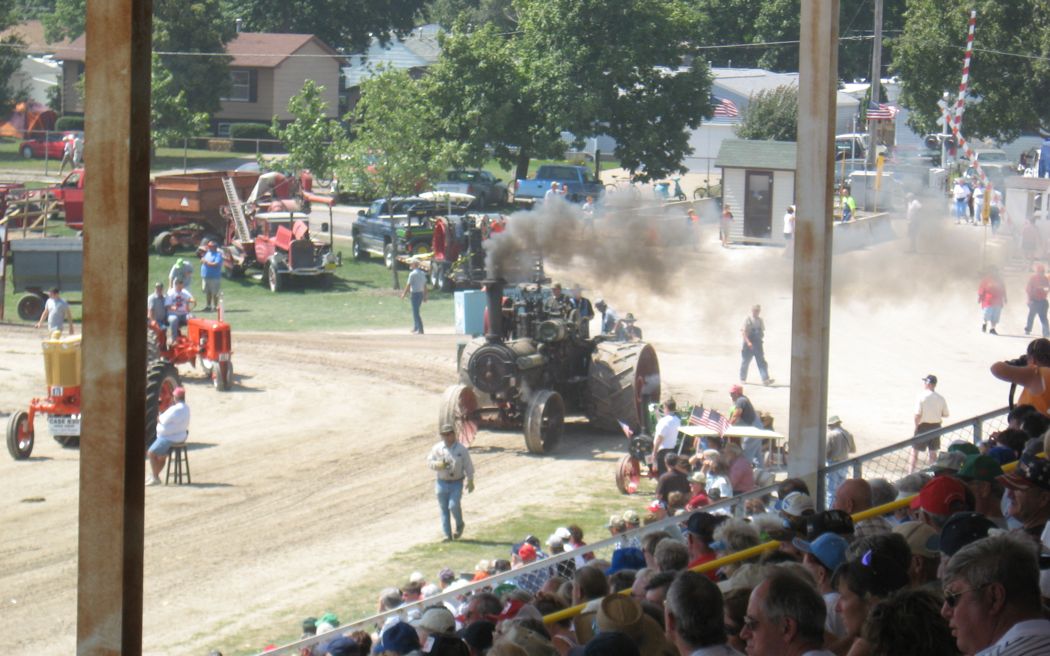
(28, 117)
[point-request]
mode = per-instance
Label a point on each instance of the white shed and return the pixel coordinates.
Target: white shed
(758, 185)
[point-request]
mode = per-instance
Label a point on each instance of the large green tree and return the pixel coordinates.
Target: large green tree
(11, 53)
(1009, 86)
(499, 13)
(170, 115)
(771, 114)
(341, 24)
(588, 67)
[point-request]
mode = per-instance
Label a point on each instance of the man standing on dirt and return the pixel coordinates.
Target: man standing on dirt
(417, 286)
(754, 332)
(172, 430)
(211, 276)
(56, 312)
(451, 460)
(930, 410)
(665, 436)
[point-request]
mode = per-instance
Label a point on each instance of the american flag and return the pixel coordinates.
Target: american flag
(725, 108)
(625, 428)
(881, 112)
(708, 418)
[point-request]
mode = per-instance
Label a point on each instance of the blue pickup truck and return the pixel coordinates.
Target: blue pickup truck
(577, 179)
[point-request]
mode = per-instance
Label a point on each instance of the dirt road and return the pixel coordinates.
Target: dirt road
(311, 470)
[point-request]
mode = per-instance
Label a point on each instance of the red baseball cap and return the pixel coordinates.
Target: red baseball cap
(736, 389)
(938, 495)
(527, 552)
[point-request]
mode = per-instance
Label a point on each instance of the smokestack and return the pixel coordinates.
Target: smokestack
(238, 25)
(494, 294)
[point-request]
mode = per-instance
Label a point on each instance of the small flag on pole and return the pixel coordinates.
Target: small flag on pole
(625, 428)
(725, 108)
(709, 419)
(881, 112)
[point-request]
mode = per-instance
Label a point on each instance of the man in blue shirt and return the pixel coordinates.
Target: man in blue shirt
(211, 276)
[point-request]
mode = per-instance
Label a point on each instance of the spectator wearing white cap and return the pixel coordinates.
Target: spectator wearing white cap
(436, 620)
(925, 557)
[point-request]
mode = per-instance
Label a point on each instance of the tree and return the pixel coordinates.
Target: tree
(771, 115)
(171, 117)
(11, 53)
(183, 27)
(311, 140)
(1009, 85)
(397, 137)
(499, 13)
(588, 67)
(348, 25)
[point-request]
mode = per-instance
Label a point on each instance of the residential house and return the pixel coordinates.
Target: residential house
(414, 52)
(266, 70)
(39, 72)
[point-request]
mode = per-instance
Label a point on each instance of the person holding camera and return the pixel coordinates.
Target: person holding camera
(1031, 372)
(451, 460)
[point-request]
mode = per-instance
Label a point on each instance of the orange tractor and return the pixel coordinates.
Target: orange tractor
(62, 367)
(205, 339)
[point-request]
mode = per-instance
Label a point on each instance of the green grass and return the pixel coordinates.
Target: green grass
(507, 174)
(165, 159)
(589, 507)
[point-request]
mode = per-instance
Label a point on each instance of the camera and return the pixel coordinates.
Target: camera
(1018, 362)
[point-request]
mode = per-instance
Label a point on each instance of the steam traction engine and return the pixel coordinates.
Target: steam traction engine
(532, 367)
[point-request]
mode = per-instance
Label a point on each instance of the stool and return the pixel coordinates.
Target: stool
(180, 456)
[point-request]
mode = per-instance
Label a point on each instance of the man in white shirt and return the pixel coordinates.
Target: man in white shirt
(961, 194)
(785, 617)
(56, 312)
(665, 438)
(992, 600)
(172, 430)
(179, 302)
(930, 409)
(694, 616)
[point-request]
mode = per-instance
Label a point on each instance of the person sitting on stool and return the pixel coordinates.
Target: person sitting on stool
(172, 430)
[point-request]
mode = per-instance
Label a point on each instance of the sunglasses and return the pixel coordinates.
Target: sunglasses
(953, 598)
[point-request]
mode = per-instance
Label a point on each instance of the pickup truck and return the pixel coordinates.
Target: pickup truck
(486, 188)
(411, 233)
(578, 179)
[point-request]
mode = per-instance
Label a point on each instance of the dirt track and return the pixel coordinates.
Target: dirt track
(311, 471)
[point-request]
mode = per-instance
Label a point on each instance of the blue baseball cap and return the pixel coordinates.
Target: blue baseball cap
(829, 549)
(626, 558)
(400, 638)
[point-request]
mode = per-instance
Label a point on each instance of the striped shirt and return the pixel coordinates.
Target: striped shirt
(1027, 638)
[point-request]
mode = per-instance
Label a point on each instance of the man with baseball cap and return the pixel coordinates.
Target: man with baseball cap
(744, 414)
(925, 558)
(1028, 489)
(930, 410)
(980, 474)
(840, 445)
(450, 460)
(821, 557)
(699, 536)
(939, 499)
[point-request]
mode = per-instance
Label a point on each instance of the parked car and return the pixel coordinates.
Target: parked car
(486, 188)
(412, 230)
(51, 143)
(578, 179)
(995, 163)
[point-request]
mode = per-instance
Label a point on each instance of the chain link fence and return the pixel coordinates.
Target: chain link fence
(890, 462)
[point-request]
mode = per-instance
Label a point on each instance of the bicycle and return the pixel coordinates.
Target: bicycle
(708, 190)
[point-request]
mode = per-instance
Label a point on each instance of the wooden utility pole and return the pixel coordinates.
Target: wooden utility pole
(811, 292)
(876, 77)
(116, 197)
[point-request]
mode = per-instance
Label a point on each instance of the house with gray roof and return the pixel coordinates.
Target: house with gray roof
(414, 52)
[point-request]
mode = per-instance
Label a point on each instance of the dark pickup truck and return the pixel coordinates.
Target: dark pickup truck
(410, 232)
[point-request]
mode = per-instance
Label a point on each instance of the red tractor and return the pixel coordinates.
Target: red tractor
(206, 339)
(62, 364)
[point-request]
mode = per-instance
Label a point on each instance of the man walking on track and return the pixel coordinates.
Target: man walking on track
(754, 333)
(417, 285)
(451, 461)
(931, 409)
(1037, 289)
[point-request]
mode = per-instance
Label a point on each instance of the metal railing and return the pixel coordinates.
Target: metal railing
(887, 462)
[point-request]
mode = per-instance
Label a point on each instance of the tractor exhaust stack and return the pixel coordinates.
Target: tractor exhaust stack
(494, 294)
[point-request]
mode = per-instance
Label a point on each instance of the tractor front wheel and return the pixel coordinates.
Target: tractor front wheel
(274, 278)
(19, 436)
(222, 376)
(544, 421)
(161, 380)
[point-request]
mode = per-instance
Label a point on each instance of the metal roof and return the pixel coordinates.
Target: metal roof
(418, 49)
(756, 154)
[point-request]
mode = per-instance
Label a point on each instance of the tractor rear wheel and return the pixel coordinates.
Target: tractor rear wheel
(152, 346)
(161, 380)
(459, 407)
(30, 307)
(624, 378)
(222, 376)
(19, 436)
(163, 244)
(544, 421)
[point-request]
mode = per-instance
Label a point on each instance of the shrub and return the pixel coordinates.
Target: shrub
(69, 123)
(248, 131)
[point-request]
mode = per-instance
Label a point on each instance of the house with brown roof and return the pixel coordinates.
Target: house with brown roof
(266, 70)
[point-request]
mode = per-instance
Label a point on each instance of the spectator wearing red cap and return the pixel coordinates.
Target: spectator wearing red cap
(992, 600)
(939, 499)
(173, 427)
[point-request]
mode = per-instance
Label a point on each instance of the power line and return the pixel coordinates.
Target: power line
(778, 43)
